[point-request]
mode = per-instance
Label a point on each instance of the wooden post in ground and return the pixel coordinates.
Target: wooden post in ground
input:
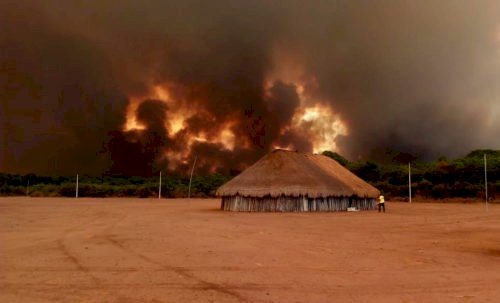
(485, 183)
(191, 178)
(409, 179)
(159, 188)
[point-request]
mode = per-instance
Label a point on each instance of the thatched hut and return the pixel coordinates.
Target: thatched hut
(292, 181)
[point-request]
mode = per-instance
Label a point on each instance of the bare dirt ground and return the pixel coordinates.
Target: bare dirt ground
(139, 250)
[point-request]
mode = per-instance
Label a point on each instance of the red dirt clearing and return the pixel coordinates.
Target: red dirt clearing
(140, 250)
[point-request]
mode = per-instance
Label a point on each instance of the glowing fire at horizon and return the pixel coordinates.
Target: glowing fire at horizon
(312, 119)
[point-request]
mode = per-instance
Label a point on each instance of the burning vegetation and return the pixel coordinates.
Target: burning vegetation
(183, 124)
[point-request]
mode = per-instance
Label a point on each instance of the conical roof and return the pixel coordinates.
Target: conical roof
(291, 173)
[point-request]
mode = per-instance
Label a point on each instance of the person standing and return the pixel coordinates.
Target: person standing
(381, 203)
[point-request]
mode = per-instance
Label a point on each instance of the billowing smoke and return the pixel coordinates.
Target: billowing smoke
(133, 87)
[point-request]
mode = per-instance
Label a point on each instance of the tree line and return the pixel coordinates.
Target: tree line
(462, 177)
(109, 186)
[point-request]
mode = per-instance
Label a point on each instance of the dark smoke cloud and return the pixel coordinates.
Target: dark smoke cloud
(58, 99)
(415, 76)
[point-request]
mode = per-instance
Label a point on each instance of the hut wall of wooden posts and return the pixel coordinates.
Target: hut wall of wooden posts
(294, 204)
(289, 181)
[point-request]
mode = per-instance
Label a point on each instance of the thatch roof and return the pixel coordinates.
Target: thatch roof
(291, 173)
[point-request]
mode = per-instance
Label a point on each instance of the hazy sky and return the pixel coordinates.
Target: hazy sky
(230, 80)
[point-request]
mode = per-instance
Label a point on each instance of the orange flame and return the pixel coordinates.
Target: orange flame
(322, 124)
(131, 122)
(178, 113)
(314, 118)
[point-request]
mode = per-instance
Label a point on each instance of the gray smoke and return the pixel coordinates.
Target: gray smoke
(414, 76)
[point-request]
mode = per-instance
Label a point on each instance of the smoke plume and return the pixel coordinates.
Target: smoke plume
(134, 87)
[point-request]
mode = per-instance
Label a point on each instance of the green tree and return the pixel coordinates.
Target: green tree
(337, 157)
